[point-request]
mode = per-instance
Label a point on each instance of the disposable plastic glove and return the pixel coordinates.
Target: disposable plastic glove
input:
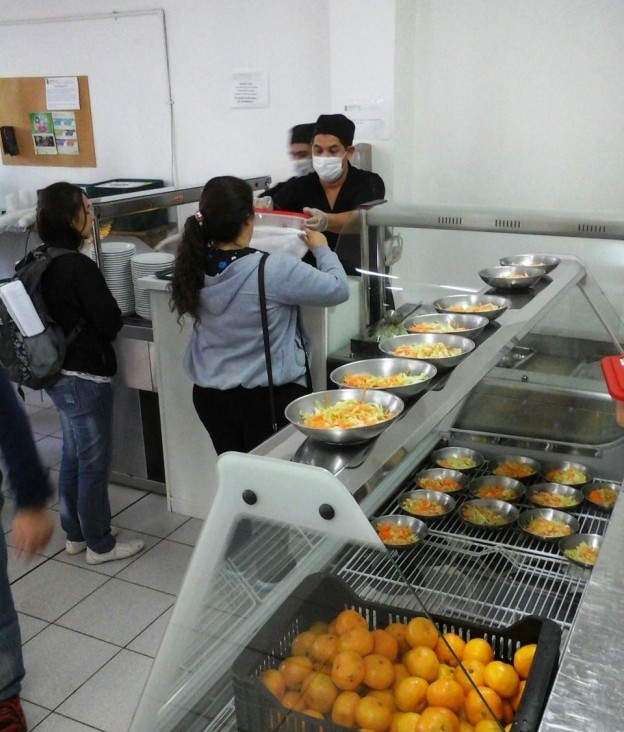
(318, 219)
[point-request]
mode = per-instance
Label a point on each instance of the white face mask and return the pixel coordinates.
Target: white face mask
(328, 169)
(303, 166)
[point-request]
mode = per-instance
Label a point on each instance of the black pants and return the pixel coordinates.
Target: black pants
(240, 419)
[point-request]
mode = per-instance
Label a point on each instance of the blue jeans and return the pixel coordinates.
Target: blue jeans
(86, 411)
(11, 665)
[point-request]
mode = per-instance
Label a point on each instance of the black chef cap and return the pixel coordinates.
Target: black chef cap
(337, 125)
(302, 133)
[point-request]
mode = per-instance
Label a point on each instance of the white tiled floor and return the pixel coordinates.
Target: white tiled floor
(90, 633)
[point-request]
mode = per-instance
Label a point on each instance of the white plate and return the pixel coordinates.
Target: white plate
(153, 258)
(117, 247)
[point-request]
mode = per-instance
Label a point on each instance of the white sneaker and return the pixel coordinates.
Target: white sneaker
(75, 547)
(121, 550)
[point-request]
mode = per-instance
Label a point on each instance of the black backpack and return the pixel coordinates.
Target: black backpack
(35, 361)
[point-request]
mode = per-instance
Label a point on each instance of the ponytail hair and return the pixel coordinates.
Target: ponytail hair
(225, 205)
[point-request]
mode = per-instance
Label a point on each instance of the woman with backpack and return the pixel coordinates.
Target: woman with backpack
(78, 298)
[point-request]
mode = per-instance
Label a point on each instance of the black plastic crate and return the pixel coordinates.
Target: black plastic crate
(322, 597)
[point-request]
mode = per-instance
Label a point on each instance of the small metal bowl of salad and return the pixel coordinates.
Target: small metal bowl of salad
(398, 531)
(404, 377)
(554, 495)
(443, 350)
(344, 416)
(581, 549)
(546, 261)
(457, 458)
(601, 495)
(441, 479)
(469, 326)
(548, 523)
(427, 505)
(488, 513)
(566, 473)
(489, 306)
(497, 487)
(517, 467)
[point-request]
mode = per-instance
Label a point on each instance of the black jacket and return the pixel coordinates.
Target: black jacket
(74, 288)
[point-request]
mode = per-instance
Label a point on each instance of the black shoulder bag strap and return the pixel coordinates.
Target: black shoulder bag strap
(265, 335)
(305, 352)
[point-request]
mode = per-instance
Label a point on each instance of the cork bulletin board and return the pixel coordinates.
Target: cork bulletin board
(23, 95)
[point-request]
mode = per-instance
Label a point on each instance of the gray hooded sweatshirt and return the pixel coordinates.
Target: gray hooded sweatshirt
(226, 349)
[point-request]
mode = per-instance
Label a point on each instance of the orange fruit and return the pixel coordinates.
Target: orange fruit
(318, 627)
(508, 712)
(476, 710)
(421, 632)
(294, 669)
(293, 700)
(502, 677)
(438, 719)
(371, 714)
(473, 668)
(411, 694)
(343, 711)
(465, 726)
(445, 654)
(324, 647)
(385, 696)
(379, 672)
(348, 619)
(478, 649)
(422, 661)
(445, 693)
(515, 702)
(385, 644)
(273, 680)
(319, 692)
(313, 713)
(523, 658)
(404, 722)
(486, 725)
(399, 630)
(302, 642)
(445, 671)
(400, 673)
(348, 670)
(357, 639)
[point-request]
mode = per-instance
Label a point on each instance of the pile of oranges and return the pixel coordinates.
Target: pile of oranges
(403, 678)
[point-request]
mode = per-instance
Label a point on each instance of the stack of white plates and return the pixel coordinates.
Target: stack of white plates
(144, 265)
(115, 266)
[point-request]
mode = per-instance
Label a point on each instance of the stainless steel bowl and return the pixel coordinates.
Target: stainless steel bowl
(451, 453)
(512, 489)
(548, 468)
(510, 460)
(446, 502)
(389, 367)
(506, 511)
(550, 514)
(390, 345)
(415, 525)
(545, 261)
(573, 542)
(555, 490)
(438, 474)
(511, 278)
(589, 487)
(468, 326)
(343, 436)
(465, 303)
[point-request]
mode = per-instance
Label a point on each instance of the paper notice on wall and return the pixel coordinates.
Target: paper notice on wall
(65, 133)
(62, 92)
(371, 118)
(250, 89)
(42, 129)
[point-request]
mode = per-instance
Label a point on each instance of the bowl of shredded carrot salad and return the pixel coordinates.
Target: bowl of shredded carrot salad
(555, 495)
(548, 523)
(498, 488)
(427, 505)
(515, 466)
(443, 350)
(489, 306)
(567, 473)
(581, 549)
(398, 531)
(469, 326)
(403, 377)
(601, 495)
(440, 479)
(488, 513)
(344, 416)
(463, 459)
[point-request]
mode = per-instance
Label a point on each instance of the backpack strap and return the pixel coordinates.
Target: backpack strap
(265, 336)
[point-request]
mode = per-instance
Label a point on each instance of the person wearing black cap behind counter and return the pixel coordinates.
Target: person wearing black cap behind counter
(300, 153)
(333, 192)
